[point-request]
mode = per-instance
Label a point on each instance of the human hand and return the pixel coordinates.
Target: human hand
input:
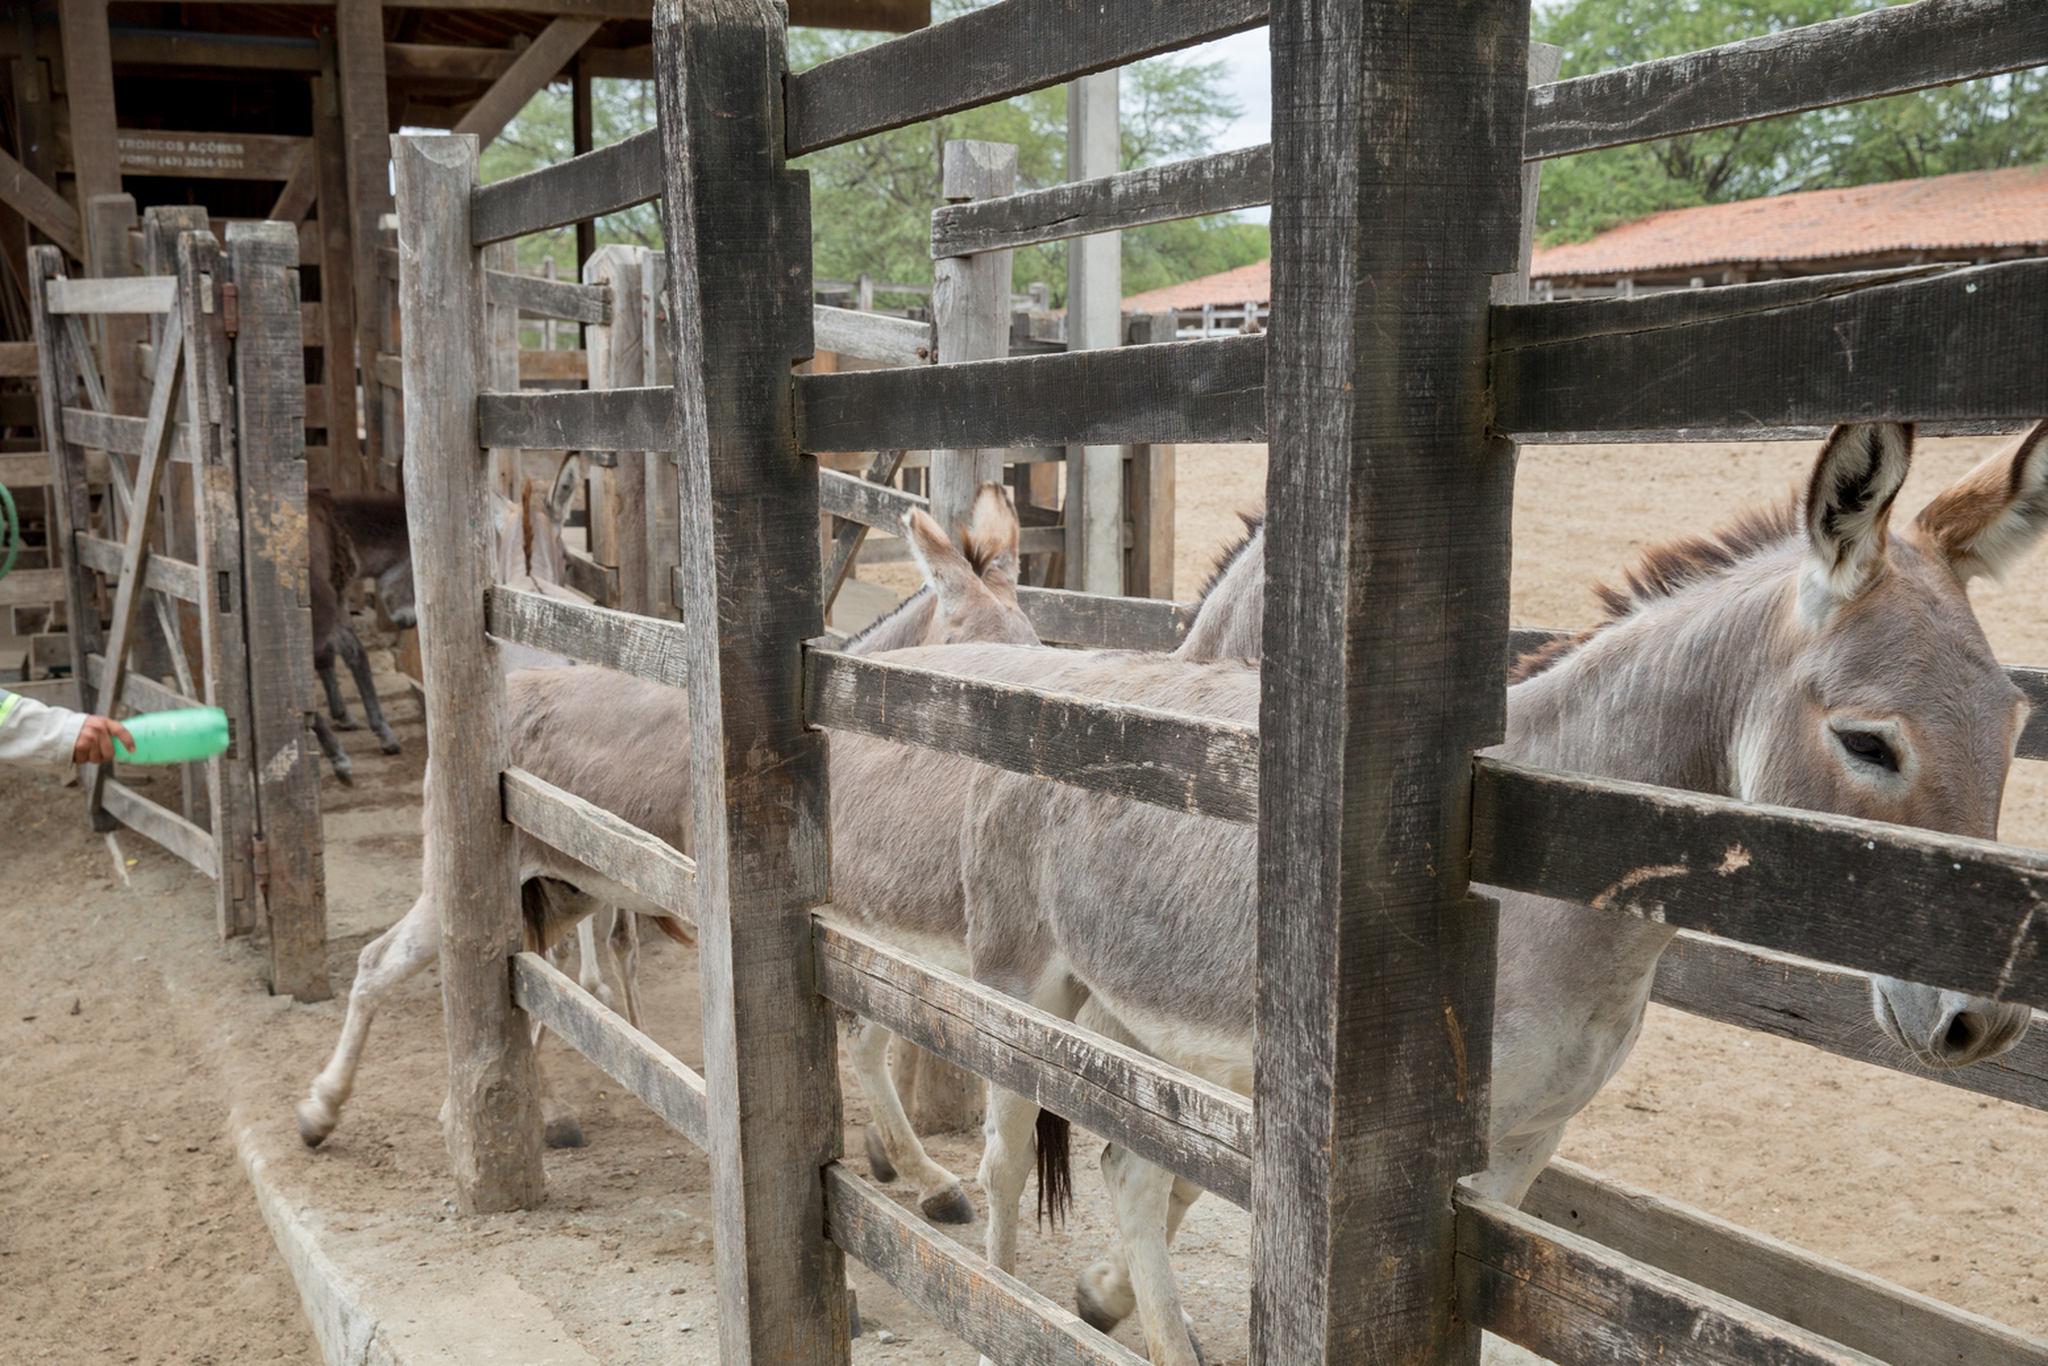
(96, 741)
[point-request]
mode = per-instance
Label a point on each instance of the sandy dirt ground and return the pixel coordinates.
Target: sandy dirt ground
(129, 1034)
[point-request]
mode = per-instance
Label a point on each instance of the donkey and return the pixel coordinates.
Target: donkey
(352, 536)
(1807, 657)
(564, 728)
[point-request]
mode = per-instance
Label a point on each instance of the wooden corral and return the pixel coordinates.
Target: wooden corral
(203, 550)
(1399, 373)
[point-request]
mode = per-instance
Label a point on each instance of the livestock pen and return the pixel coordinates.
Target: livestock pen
(1390, 390)
(203, 545)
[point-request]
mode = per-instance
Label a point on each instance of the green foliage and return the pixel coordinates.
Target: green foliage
(1979, 125)
(871, 201)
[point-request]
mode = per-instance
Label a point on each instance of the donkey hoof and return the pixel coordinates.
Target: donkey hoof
(949, 1206)
(879, 1165)
(314, 1123)
(347, 723)
(1093, 1305)
(564, 1131)
(389, 745)
(344, 773)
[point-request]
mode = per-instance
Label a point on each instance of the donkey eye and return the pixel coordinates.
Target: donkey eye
(1870, 747)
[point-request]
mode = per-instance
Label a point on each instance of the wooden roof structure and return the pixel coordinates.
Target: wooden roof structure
(269, 110)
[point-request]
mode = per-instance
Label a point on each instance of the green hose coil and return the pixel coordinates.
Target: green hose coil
(10, 531)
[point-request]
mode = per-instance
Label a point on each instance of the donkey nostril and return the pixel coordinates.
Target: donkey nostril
(1964, 1032)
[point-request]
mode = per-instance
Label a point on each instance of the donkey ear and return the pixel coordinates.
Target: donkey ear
(943, 567)
(1849, 502)
(992, 535)
(1992, 516)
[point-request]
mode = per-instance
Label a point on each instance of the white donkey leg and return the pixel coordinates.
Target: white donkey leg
(629, 970)
(1143, 1195)
(1007, 1158)
(1515, 1163)
(1102, 1294)
(386, 961)
(892, 1145)
(593, 947)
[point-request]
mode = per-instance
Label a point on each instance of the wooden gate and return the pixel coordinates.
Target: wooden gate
(204, 539)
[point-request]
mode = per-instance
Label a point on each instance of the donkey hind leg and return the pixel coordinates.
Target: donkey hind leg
(1102, 1293)
(629, 970)
(593, 946)
(337, 706)
(561, 1127)
(358, 660)
(1142, 1195)
(1007, 1126)
(892, 1145)
(386, 961)
(337, 759)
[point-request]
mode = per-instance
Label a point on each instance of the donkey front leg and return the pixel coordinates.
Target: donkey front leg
(337, 706)
(892, 1145)
(629, 972)
(337, 759)
(386, 961)
(358, 659)
(593, 948)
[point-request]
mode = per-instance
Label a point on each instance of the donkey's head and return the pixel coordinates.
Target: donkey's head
(1886, 701)
(969, 593)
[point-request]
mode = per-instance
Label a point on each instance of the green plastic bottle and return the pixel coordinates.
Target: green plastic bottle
(175, 737)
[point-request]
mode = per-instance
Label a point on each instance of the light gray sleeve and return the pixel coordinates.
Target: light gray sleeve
(34, 732)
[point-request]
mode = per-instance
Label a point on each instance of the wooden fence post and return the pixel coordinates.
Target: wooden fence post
(1150, 483)
(1396, 197)
(210, 421)
(740, 306)
(70, 501)
(664, 525)
(493, 1125)
(348, 468)
(971, 308)
(618, 358)
(1095, 474)
(501, 363)
(270, 425)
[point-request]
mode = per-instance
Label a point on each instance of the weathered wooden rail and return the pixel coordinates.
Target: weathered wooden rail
(204, 549)
(1399, 689)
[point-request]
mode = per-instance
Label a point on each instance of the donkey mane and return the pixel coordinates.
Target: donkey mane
(1232, 553)
(922, 596)
(1662, 571)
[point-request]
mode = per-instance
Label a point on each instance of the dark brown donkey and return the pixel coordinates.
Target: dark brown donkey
(354, 536)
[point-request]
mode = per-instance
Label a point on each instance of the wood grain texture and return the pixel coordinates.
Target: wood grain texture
(1092, 512)
(1865, 56)
(122, 435)
(600, 182)
(26, 587)
(1958, 912)
(163, 827)
(542, 298)
(1181, 392)
(137, 294)
(1184, 763)
(987, 1308)
(365, 114)
(345, 467)
(1857, 1310)
(1566, 1298)
(873, 336)
(1165, 1115)
(1220, 183)
(270, 425)
(995, 52)
(1822, 350)
(739, 296)
(161, 574)
(1827, 1007)
(580, 419)
(619, 353)
(621, 1052)
(493, 1126)
(971, 319)
(1067, 618)
(595, 837)
(1396, 151)
(645, 647)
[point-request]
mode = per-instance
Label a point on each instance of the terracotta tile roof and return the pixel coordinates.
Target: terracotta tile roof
(1238, 286)
(1950, 215)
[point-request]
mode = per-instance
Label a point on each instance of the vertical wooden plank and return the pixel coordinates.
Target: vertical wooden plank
(582, 129)
(68, 498)
(1397, 137)
(1095, 474)
(345, 471)
(493, 1114)
(501, 360)
(1150, 482)
(384, 441)
(971, 307)
(617, 357)
(109, 219)
(217, 527)
(1544, 61)
(740, 300)
(270, 425)
(359, 47)
(89, 92)
(664, 507)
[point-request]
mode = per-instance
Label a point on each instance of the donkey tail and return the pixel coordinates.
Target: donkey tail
(1055, 1168)
(675, 929)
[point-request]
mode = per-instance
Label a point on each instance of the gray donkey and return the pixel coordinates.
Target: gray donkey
(352, 536)
(564, 728)
(1809, 657)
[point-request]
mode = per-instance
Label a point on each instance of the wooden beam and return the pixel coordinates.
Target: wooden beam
(636, 419)
(875, 336)
(621, 353)
(136, 294)
(1094, 510)
(606, 181)
(1109, 623)
(359, 50)
(534, 296)
(39, 204)
(599, 840)
(971, 320)
(493, 1128)
(89, 94)
(645, 647)
(344, 469)
(165, 828)
(542, 60)
(848, 533)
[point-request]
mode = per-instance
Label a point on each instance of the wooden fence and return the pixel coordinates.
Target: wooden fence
(203, 547)
(1367, 1248)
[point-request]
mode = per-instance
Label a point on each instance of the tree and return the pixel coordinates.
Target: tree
(871, 201)
(1980, 125)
